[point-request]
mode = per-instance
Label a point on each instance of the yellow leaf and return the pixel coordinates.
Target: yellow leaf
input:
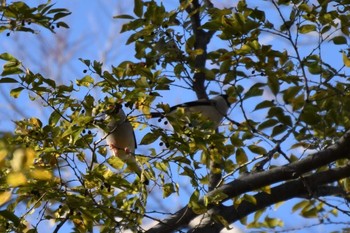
(16, 179)
(249, 198)
(346, 60)
(266, 189)
(35, 121)
(41, 174)
(278, 204)
(18, 160)
(115, 162)
(4, 197)
(22, 158)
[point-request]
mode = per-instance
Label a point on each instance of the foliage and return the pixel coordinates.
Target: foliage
(286, 103)
(18, 16)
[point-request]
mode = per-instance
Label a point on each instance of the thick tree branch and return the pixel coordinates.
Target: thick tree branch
(251, 182)
(292, 189)
(202, 39)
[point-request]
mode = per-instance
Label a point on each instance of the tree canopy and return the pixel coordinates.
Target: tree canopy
(284, 65)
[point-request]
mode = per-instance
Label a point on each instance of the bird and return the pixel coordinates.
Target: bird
(120, 137)
(214, 109)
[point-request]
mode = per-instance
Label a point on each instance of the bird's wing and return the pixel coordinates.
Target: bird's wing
(200, 102)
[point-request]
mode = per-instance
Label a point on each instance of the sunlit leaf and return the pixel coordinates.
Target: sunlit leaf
(41, 174)
(307, 28)
(249, 198)
(85, 81)
(194, 203)
(300, 205)
(115, 162)
(11, 71)
(346, 60)
(8, 57)
(273, 222)
(16, 179)
(168, 189)
(15, 92)
(5, 197)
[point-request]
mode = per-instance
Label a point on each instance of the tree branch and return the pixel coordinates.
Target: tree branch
(202, 39)
(254, 181)
(292, 189)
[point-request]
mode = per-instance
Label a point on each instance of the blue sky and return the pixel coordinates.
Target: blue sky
(94, 35)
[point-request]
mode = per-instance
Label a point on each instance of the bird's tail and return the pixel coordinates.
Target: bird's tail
(133, 165)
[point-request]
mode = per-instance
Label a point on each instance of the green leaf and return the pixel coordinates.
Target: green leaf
(15, 92)
(310, 115)
(273, 84)
(222, 220)
(8, 80)
(310, 213)
(339, 40)
(11, 71)
(62, 24)
(168, 189)
(300, 205)
(54, 118)
(307, 28)
(194, 203)
(161, 166)
(11, 64)
(60, 15)
(115, 162)
(255, 90)
(85, 81)
(281, 128)
(290, 93)
(86, 62)
(149, 138)
(138, 8)
(264, 104)
(249, 198)
(273, 222)
(58, 10)
(268, 123)
(241, 156)
(257, 149)
(258, 214)
(123, 17)
(8, 57)
(97, 67)
(236, 141)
